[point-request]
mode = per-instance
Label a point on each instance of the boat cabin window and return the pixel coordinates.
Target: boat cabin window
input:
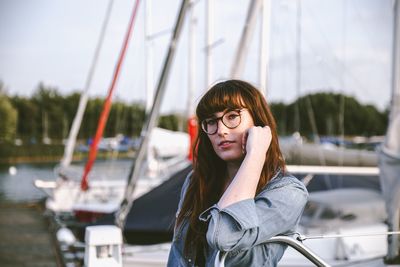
(311, 209)
(348, 217)
(328, 214)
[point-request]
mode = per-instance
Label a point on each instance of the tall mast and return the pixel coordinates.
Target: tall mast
(191, 59)
(191, 122)
(298, 65)
(247, 34)
(395, 101)
(209, 41)
(264, 45)
(389, 158)
(151, 120)
(76, 124)
(148, 55)
(107, 103)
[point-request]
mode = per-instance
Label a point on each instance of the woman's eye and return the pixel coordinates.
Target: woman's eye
(232, 116)
(211, 122)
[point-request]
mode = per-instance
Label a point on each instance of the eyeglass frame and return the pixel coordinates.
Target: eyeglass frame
(221, 119)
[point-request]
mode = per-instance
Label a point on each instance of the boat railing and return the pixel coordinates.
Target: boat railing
(290, 241)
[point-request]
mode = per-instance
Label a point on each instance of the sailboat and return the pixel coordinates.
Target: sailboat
(86, 200)
(156, 255)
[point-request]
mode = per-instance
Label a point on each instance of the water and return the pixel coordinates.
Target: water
(20, 187)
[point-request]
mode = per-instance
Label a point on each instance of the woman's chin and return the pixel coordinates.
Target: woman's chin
(231, 156)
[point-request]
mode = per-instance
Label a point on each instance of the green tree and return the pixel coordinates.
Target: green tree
(8, 119)
(323, 110)
(50, 118)
(135, 119)
(70, 107)
(91, 118)
(170, 122)
(279, 111)
(26, 110)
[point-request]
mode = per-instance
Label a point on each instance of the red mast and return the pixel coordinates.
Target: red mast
(107, 103)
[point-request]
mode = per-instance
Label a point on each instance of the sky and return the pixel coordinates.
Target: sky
(345, 47)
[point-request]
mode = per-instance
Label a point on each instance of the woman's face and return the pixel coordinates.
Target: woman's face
(227, 141)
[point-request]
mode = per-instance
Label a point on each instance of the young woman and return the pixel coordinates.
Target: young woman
(239, 194)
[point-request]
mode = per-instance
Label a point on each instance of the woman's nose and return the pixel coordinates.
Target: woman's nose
(222, 129)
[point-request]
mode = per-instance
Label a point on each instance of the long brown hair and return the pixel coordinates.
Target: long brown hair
(209, 171)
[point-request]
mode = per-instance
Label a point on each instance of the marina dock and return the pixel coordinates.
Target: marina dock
(25, 236)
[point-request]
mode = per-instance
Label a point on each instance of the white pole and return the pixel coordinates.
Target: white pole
(247, 33)
(191, 60)
(209, 40)
(76, 124)
(148, 55)
(264, 45)
(395, 105)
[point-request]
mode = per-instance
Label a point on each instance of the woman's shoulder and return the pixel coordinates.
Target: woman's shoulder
(285, 179)
(286, 186)
(186, 182)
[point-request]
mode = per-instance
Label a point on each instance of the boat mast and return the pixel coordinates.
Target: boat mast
(389, 156)
(191, 59)
(148, 54)
(395, 101)
(389, 161)
(151, 120)
(76, 124)
(298, 65)
(209, 41)
(264, 45)
(247, 34)
(107, 104)
(191, 122)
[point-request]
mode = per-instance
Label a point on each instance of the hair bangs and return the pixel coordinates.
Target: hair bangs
(220, 98)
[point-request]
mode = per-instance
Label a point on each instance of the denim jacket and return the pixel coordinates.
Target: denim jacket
(241, 228)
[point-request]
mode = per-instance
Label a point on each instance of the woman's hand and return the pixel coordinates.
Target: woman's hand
(257, 140)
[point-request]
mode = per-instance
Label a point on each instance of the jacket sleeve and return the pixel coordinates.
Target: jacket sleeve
(250, 222)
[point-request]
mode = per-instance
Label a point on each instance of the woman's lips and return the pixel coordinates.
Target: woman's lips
(225, 144)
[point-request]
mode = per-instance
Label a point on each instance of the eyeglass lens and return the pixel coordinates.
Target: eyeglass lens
(230, 119)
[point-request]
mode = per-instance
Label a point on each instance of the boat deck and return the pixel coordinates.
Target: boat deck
(25, 237)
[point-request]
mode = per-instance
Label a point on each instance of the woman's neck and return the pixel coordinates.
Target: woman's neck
(231, 169)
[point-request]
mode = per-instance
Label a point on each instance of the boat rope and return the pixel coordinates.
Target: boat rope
(107, 104)
(301, 237)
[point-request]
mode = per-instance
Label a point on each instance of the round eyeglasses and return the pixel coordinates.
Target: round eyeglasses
(231, 119)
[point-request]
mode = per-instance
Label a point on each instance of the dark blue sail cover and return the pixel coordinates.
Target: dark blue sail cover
(152, 216)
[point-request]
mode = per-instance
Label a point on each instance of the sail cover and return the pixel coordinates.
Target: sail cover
(152, 216)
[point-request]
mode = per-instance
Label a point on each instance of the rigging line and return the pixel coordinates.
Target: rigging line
(107, 103)
(310, 111)
(342, 97)
(301, 237)
(372, 39)
(69, 146)
(298, 66)
(344, 68)
(313, 52)
(321, 156)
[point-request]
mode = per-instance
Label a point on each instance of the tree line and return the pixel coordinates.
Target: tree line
(48, 114)
(329, 114)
